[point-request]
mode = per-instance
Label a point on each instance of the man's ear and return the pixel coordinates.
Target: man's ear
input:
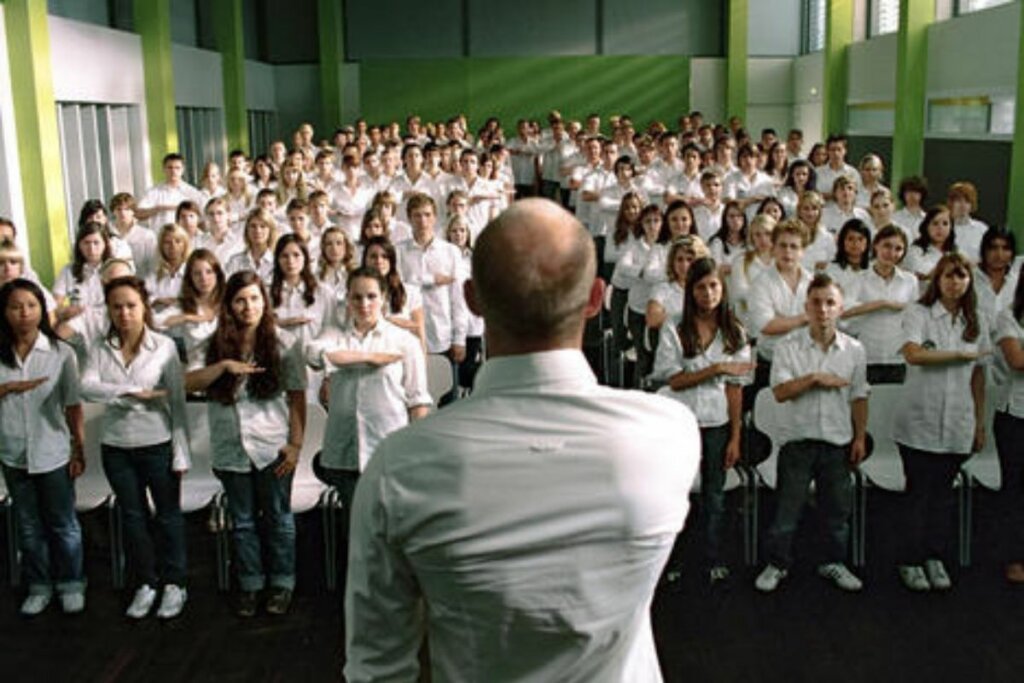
(469, 292)
(596, 299)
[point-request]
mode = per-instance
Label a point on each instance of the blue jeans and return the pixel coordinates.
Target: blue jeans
(828, 465)
(260, 493)
(49, 537)
(131, 472)
(927, 525)
(712, 484)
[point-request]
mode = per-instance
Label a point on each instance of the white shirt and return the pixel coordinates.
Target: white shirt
(822, 249)
(444, 307)
(479, 212)
(788, 197)
(142, 243)
(937, 410)
(833, 218)
(826, 176)
(134, 423)
(554, 154)
(909, 223)
(629, 271)
(230, 245)
(881, 332)
(708, 221)
(738, 185)
(252, 431)
(864, 194)
(293, 305)
(402, 187)
(707, 400)
(820, 413)
(669, 295)
(1007, 327)
(610, 202)
(88, 292)
(990, 302)
(349, 207)
(166, 286)
(740, 278)
(165, 195)
(35, 432)
(770, 297)
(461, 526)
(368, 402)
(523, 153)
(594, 180)
(922, 261)
(243, 261)
(685, 185)
(968, 237)
(194, 335)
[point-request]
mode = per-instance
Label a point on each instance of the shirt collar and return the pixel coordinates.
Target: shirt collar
(533, 370)
(839, 342)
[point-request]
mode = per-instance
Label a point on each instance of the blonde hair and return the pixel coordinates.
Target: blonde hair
(808, 197)
(164, 267)
(268, 220)
(689, 243)
(246, 192)
(761, 221)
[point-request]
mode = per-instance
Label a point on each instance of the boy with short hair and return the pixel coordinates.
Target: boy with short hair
(141, 241)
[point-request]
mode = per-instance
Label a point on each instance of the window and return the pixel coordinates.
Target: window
(871, 118)
(885, 17)
(814, 26)
(101, 150)
(963, 115)
(262, 125)
(201, 138)
(968, 6)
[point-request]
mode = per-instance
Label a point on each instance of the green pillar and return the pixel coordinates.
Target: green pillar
(332, 54)
(736, 61)
(1015, 208)
(153, 24)
(838, 36)
(231, 43)
(911, 79)
(35, 117)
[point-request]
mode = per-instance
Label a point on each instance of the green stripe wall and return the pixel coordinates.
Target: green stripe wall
(645, 87)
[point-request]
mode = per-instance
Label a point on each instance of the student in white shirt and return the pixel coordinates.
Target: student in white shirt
(160, 202)
(337, 260)
(913, 193)
(731, 238)
(90, 323)
(666, 300)
(351, 198)
(882, 292)
(705, 360)
(881, 209)
(586, 181)
(747, 185)
(820, 243)
(194, 318)
(93, 211)
(13, 266)
(164, 285)
(524, 157)
(403, 302)
(935, 238)
(686, 185)
(626, 230)
(264, 174)
(255, 381)
(612, 195)
(299, 222)
(140, 240)
(836, 167)
(1009, 434)
(219, 237)
(239, 198)
(377, 377)
(777, 296)
(708, 213)
(319, 220)
(795, 144)
(995, 278)
(302, 306)
(777, 167)
(853, 255)
(594, 180)
(871, 171)
(800, 178)
(137, 374)
(482, 194)
(78, 284)
(396, 229)
(459, 234)
(843, 206)
(939, 420)
(629, 276)
(962, 199)
(749, 264)
(819, 378)
(210, 184)
(291, 185)
(41, 451)
(259, 237)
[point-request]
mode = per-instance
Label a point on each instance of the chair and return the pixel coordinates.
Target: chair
(981, 469)
(92, 489)
(12, 536)
(769, 418)
(440, 378)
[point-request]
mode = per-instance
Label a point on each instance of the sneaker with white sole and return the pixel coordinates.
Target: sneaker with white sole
(913, 578)
(172, 602)
(769, 578)
(143, 601)
(35, 604)
(718, 574)
(72, 603)
(937, 575)
(841, 576)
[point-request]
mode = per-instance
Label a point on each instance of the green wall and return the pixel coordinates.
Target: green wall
(645, 87)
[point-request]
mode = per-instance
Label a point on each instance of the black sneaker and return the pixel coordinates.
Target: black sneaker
(245, 607)
(279, 600)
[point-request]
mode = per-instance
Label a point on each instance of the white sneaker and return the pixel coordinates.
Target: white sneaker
(35, 604)
(840, 575)
(769, 578)
(913, 578)
(172, 602)
(72, 603)
(937, 576)
(143, 601)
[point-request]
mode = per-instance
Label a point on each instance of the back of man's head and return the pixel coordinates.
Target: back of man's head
(533, 269)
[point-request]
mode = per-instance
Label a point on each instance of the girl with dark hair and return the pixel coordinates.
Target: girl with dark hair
(995, 279)
(819, 243)
(853, 255)
(255, 381)
(301, 304)
(137, 374)
(78, 284)
(939, 420)
(706, 360)
(641, 266)
(403, 303)
(800, 178)
(935, 237)
(194, 319)
(93, 211)
(41, 450)
(627, 230)
(731, 239)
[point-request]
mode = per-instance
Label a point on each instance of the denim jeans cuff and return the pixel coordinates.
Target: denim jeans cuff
(282, 581)
(71, 587)
(254, 582)
(40, 589)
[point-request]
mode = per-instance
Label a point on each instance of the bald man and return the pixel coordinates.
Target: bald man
(522, 530)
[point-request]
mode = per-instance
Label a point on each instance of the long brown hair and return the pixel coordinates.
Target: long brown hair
(189, 299)
(226, 343)
(734, 337)
(968, 304)
(131, 282)
(623, 229)
(306, 275)
(89, 228)
(396, 294)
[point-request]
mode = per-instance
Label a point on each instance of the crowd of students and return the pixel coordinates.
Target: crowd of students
(329, 272)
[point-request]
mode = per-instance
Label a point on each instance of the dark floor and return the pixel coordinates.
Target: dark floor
(807, 631)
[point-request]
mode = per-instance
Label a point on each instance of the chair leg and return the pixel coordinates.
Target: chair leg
(115, 525)
(330, 538)
(222, 545)
(966, 500)
(862, 510)
(13, 560)
(754, 518)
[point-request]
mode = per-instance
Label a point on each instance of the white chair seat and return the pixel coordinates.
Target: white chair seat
(439, 376)
(306, 488)
(884, 468)
(92, 488)
(200, 485)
